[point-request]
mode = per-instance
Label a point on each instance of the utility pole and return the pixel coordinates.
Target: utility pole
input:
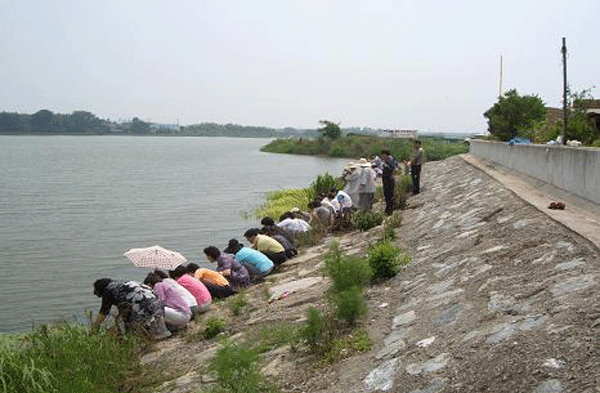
(500, 84)
(565, 90)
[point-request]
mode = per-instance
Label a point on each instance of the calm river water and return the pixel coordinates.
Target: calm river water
(70, 206)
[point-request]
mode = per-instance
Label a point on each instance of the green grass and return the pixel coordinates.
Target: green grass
(68, 358)
(269, 338)
(237, 303)
(281, 201)
(343, 347)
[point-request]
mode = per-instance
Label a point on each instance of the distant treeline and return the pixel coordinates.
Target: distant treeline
(86, 123)
(356, 146)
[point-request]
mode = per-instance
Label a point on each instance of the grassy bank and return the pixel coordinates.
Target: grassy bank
(356, 146)
(68, 358)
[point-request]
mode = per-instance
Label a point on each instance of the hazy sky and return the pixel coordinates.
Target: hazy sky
(427, 65)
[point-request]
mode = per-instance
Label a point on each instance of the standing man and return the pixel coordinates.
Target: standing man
(415, 166)
(387, 178)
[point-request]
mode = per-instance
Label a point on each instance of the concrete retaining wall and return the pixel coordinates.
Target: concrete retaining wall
(573, 169)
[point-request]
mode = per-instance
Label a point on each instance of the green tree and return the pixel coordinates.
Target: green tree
(512, 113)
(82, 122)
(41, 121)
(139, 126)
(330, 129)
(579, 125)
(13, 123)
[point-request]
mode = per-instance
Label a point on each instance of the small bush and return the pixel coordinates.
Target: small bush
(366, 220)
(403, 186)
(313, 237)
(346, 271)
(389, 234)
(321, 185)
(395, 220)
(350, 304)
(237, 371)
(214, 326)
(313, 331)
(386, 260)
(237, 303)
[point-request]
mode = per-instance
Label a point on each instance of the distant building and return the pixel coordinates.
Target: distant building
(554, 115)
(591, 107)
(412, 134)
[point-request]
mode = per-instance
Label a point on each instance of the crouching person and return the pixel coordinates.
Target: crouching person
(257, 263)
(177, 312)
(194, 286)
(138, 308)
(238, 275)
(267, 245)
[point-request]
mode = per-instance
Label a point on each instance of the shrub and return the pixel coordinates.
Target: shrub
(321, 185)
(350, 304)
(403, 186)
(395, 220)
(313, 237)
(388, 234)
(386, 260)
(237, 372)
(214, 326)
(346, 271)
(366, 220)
(313, 331)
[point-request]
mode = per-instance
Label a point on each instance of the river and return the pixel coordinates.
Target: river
(70, 206)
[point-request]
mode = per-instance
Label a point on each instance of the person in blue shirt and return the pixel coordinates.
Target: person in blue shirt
(257, 263)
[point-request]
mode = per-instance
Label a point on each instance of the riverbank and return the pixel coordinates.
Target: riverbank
(355, 145)
(500, 297)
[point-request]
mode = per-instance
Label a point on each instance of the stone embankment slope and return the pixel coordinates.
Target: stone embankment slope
(499, 298)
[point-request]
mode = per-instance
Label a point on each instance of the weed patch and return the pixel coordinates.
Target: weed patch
(365, 220)
(237, 303)
(214, 326)
(236, 371)
(67, 358)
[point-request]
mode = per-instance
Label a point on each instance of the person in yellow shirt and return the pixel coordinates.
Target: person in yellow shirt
(267, 245)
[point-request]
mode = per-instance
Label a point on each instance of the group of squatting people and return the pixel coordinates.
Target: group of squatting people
(166, 301)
